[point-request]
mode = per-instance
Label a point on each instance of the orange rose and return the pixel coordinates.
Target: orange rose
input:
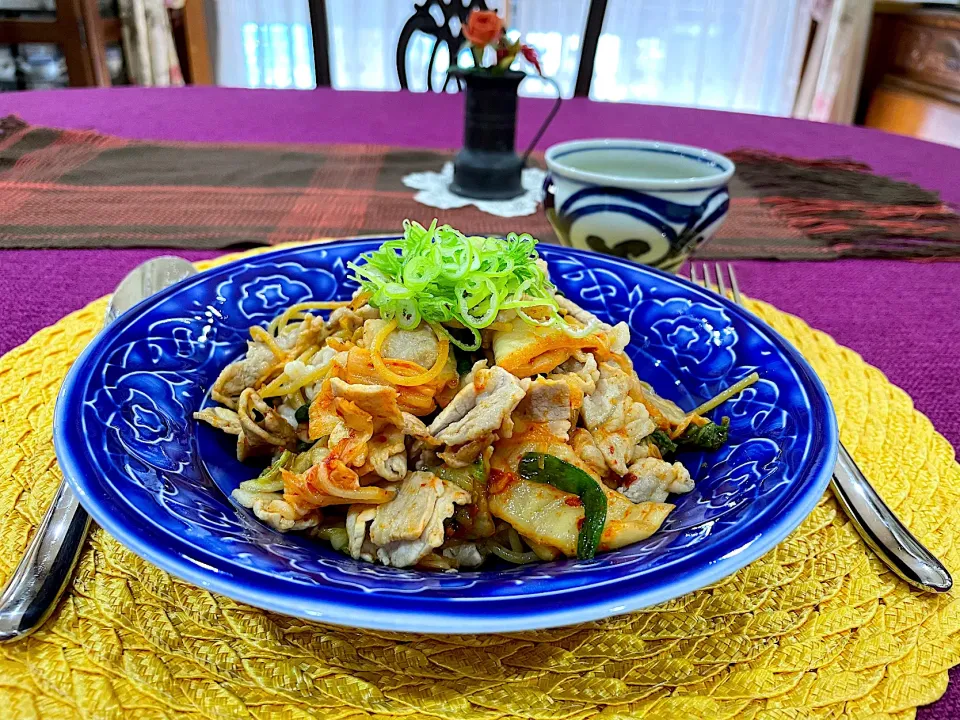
(483, 28)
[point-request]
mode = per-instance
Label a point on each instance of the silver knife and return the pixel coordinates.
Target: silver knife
(47, 564)
(882, 530)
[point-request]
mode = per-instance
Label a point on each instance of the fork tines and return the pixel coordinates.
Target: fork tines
(725, 278)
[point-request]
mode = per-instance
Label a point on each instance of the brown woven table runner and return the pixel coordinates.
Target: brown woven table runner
(74, 188)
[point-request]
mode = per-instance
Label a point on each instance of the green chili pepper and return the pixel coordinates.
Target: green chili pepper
(543, 468)
(302, 414)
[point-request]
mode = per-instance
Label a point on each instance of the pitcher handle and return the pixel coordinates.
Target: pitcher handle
(549, 119)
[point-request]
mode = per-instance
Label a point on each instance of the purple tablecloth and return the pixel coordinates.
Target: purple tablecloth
(902, 317)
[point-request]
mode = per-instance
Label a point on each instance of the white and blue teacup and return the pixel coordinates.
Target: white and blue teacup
(650, 202)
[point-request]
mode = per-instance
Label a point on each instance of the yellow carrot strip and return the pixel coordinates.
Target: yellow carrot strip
(407, 380)
(275, 386)
(283, 385)
(283, 319)
(360, 300)
(261, 335)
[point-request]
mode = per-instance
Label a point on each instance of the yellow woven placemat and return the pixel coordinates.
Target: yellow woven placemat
(815, 629)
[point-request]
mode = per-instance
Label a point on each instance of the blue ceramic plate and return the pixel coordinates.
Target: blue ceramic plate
(160, 482)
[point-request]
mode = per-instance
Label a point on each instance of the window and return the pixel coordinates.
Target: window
(725, 54)
(264, 44)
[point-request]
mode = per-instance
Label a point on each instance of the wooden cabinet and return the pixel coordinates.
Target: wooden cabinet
(916, 60)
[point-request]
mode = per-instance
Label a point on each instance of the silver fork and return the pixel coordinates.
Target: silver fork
(877, 524)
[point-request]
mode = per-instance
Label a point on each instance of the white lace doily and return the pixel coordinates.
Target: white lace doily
(435, 192)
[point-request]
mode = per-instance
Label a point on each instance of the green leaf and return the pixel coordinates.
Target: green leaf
(706, 437)
(663, 442)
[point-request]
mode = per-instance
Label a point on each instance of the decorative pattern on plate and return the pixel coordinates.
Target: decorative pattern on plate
(815, 629)
(150, 475)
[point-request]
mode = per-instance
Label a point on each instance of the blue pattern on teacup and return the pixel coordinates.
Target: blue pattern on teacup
(160, 483)
(653, 228)
(645, 201)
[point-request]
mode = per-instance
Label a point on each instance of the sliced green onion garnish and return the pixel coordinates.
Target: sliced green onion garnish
(439, 275)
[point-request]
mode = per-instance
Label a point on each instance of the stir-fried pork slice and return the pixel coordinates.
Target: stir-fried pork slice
(387, 454)
(552, 401)
(276, 512)
(347, 319)
(586, 449)
(221, 418)
(411, 525)
(380, 401)
(461, 456)
(242, 374)
(615, 420)
(262, 435)
(350, 414)
(618, 336)
(467, 379)
(546, 400)
(652, 480)
(365, 426)
(358, 517)
(238, 376)
(420, 345)
(605, 403)
(581, 370)
(480, 408)
(415, 428)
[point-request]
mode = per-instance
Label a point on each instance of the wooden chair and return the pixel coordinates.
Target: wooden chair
(588, 49)
(422, 21)
(80, 32)
(189, 25)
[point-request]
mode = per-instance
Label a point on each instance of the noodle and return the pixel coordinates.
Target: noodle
(515, 544)
(283, 385)
(261, 335)
(281, 321)
(398, 431)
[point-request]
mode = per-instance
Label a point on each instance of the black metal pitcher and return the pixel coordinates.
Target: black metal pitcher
(488, 167)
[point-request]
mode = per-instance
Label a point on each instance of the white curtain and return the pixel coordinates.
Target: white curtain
(148, 45)
(740, 55)
(743, 55)
(556, 30)
(264, 44)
